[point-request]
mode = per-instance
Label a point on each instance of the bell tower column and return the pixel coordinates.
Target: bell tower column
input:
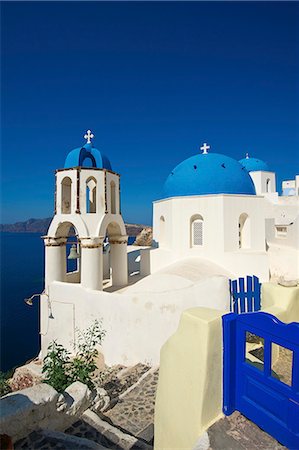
(119, 260)
(55, 260)
(92, 263)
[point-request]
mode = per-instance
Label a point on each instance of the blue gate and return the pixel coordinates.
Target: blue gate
(254, 389)
(245, 296)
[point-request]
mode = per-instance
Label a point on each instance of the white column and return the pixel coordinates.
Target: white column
(92, 263)
(119, 260)
(55, 262)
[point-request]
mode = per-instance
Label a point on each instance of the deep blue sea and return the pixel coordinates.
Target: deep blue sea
(22, 274)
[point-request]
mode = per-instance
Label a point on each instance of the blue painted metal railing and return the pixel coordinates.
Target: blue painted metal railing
(245, 294)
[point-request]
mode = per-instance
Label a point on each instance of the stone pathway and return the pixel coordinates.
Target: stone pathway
(127, 422)
(235, 432)
(48, 440)
(119, 379)
(84, 430)
(134, 411)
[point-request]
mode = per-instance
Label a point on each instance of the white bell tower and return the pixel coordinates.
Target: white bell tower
(87, 203)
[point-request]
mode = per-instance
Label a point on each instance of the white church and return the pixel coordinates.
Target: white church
(219, 219)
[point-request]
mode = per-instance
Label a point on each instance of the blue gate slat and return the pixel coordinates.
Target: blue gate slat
(231, 295)
(250, 306)
(235, 295)
(257, 293)
(242, 295)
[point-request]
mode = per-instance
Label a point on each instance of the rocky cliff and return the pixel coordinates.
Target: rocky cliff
(145, 237)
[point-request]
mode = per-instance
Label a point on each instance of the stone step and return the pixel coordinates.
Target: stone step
(119, 379)
(48, 439)
(116, 436)
(134, 411)
(83, 429)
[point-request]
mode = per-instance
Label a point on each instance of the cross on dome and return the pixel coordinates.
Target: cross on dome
(247, 156)
(205, 147)
(88, 136)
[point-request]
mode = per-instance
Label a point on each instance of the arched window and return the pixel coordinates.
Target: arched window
(112, 197)
(91, 195)
(196, 231)
(162, 231)
(66, 195)
(244, 231)
(268, 185)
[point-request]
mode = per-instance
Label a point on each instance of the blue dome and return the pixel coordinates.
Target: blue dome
(254, 164)
(210, 173)
(87, 156)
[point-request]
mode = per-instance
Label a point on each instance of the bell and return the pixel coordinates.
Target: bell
(73, 253)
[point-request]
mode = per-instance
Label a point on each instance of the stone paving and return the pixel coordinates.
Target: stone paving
(48, 440)
(83, 429)
(119, 379)
(235, 432)
(135, 410)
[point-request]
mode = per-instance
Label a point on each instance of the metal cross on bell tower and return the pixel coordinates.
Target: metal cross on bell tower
(88, 136)
(205, 147)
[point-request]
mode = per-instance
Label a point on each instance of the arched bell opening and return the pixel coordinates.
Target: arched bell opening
(91, 195)
(71, 252)
(66, 195)
(113, 197)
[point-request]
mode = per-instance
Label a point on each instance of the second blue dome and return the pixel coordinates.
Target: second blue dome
(210, 173)
(254, 164)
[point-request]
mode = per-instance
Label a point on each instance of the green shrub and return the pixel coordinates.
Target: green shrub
(55, 367)
(4, 385)
(61, 370)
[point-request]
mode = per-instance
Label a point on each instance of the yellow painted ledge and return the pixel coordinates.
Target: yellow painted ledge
(282, 302)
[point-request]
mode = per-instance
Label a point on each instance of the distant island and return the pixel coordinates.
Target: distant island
(42, 225)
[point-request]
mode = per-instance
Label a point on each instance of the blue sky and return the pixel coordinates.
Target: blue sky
(152, 80)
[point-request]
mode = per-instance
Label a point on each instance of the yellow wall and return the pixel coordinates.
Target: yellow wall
(189, 395)
(282, 302)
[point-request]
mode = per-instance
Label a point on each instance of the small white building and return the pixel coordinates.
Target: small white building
(217, 208)
(218, 219)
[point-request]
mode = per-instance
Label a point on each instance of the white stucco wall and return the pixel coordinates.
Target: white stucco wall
(221, 216)
(139, 319)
